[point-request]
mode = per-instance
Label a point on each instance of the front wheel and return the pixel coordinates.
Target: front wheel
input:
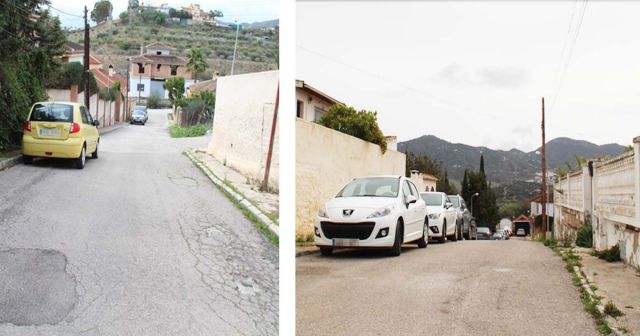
(95, 154)
(442, 238)
(454, 237)
(422, 242)
(397, 243)
(326, 251)
(80, 161)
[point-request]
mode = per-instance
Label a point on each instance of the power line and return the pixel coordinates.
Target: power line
(441, 101)
(66, 13)
(570, 55)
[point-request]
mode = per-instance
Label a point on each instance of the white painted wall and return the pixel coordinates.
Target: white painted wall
(242, 124)
(326, 160)
(133, 86)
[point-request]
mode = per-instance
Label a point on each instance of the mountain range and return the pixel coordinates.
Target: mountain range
(504, 168)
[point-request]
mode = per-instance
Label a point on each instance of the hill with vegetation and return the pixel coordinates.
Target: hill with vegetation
(115, 41)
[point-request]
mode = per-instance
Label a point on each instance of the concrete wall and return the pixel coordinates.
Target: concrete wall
(105, 111)
(242, 124)
(607, 197)
(325, 161)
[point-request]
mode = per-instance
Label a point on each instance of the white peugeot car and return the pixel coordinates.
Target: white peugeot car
(442, 216)
(373, 211)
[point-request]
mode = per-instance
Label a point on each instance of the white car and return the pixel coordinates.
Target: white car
(442, 216)
(373, 211)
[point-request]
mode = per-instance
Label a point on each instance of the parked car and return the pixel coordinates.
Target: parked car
(521, 232)
(497, 236)
(463, 217)
(442, 216)
(483, 233)
(60, 130)
(139, 115)
(373, 211)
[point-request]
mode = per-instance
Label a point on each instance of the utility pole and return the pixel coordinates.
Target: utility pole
(544, 177)
(265, 182)
(87, 94)
(233, 62)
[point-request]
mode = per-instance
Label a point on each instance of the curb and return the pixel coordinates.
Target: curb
(110, 129)
(308, 252)
(10, 162)
(238, 197)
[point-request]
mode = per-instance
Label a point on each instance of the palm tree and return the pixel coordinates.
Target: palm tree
(196, 62)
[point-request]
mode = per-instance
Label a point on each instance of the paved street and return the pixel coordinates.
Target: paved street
(512, 287)
(139, 242)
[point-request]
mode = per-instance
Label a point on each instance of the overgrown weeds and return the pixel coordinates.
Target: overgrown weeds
(585, 235)
(186, 132)
(610, 255)
(611, 310)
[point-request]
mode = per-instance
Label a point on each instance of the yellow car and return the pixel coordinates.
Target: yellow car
(60, 130)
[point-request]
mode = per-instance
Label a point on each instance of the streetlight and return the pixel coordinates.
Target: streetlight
(472, 196)
(233, 62)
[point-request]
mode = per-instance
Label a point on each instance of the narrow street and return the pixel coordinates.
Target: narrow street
(139, 242)
(512, 287)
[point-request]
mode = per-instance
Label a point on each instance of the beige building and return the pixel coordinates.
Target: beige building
(311, 103)
(424, 182)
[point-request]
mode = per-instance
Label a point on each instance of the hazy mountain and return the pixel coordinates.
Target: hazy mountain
(504, 167)
(262, 24)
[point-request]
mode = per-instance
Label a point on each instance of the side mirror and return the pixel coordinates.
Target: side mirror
(411, 199)
(448, 205)
(96, 123)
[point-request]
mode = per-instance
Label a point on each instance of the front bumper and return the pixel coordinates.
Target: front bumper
(361, 233)
(435, 227)
(64, 149)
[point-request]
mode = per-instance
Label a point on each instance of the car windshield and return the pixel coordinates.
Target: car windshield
(371, 187)
(455, 201)
(432, 199)
(483, 229)
(138, 112)
(52, 112)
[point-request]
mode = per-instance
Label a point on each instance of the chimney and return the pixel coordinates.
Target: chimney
(111, 72)
(215, 75)
(141, 50)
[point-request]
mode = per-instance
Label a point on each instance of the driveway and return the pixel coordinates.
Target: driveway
(512, 287)
(139, 242)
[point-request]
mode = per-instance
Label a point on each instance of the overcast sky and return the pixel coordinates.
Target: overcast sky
(474, 72)
(244, 10)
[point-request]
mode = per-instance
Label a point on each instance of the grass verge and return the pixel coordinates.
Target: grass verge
(186, 132)
(590, 301)
(272, 237)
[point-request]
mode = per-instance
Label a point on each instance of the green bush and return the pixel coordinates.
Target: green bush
(360, 124)
(610, 255)
(585, 236)
(154, 101)
(184, 132)
(124, 45)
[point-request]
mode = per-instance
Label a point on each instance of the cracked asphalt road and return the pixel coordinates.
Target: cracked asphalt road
(511, 287)
(154, 248)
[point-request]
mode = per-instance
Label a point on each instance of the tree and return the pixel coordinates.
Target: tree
(485, 208)
(196, 62)
(124, 17)
(133, 4)
(360, 124)
(175, 86)
(446, 187)
(215, 14)
(30, 48)
(101, 11)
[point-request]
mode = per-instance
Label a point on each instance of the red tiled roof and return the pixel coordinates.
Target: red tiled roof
(207, 85)
(159, 46)
(158, 59)
(105, 81)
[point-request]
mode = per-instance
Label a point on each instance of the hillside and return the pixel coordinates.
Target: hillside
(115, 41)
(508, 170)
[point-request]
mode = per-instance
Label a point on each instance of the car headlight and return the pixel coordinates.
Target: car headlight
(323, 212)
(434, 215)
(380, 213)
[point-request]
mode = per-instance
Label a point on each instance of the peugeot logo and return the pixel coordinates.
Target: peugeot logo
(347, 212)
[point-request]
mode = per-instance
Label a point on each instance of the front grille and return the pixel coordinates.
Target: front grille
(347, 230)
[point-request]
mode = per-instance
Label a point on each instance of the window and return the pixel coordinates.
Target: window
(140, 68)
(318, 113)
(158, 67)
(83, 115)
(87, 114)
(406, 190)
(414, 190)
(158, 52)
(432, 189)
(299, 109)
(371, 187)
(174, 70)
(52, 112)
